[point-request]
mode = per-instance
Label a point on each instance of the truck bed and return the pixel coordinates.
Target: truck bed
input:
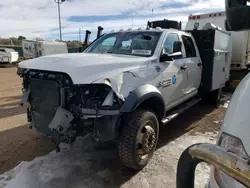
(215, 48)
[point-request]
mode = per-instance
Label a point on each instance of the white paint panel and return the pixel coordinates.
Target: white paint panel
(219, 77)
(222, 59)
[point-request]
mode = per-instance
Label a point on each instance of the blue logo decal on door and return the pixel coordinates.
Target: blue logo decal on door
(174, 79)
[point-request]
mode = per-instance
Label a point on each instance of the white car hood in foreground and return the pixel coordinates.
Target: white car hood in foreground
(237, 119)
(86, 68)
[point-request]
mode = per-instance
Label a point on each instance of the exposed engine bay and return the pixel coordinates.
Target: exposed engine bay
(61, 110)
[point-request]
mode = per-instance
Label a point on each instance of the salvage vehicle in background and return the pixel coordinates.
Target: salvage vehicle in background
(230, 156)
(240, 40)
(40, 47)
(125, 85)
(8, 56)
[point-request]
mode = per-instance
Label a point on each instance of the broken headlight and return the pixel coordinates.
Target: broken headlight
(92, 96)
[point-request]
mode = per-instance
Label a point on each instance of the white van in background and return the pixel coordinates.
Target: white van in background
(37, 48)
(240, 41)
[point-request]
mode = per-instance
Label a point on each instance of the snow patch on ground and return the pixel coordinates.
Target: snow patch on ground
(89, 164)
(225, 100)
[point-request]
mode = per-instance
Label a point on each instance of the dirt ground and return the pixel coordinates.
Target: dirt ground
(19, 143)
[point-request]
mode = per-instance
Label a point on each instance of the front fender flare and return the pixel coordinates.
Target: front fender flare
(139, 95)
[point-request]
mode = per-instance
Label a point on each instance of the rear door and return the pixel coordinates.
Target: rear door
(193, 64)
(172, 73)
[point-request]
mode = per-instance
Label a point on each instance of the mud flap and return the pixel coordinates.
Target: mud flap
(25, 96)
(61, 121)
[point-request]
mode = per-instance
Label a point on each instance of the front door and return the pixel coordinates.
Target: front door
(172, 73)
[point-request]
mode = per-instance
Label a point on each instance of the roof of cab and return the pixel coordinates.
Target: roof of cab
(145, 30)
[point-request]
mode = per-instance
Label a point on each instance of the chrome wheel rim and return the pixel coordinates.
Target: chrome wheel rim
(146, 140)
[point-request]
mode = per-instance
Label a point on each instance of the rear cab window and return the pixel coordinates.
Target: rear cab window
(189, 46)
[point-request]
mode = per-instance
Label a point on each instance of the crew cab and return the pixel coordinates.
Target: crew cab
(124, 86)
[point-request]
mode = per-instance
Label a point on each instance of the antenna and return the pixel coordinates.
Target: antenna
(133, 18)
(133, 21)
(153, 9)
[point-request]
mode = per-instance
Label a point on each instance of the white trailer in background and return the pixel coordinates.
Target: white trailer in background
(37, 48)
(8, 55)
(240, 40)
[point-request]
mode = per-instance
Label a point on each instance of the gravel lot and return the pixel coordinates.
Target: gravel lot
(86, 163)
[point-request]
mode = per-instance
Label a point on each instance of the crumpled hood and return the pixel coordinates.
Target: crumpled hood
(86, 68)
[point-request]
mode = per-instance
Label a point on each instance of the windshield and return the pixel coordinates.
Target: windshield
(137, 43)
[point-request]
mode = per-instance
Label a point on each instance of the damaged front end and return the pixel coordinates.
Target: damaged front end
(59, 109)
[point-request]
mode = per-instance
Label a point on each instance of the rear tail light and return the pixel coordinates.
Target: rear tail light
(234, 145)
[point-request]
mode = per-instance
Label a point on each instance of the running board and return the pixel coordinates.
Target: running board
(181, 108)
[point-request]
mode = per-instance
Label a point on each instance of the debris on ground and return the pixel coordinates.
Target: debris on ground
(89, 164)
(225, 100)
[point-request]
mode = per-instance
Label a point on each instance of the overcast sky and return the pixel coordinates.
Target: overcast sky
(39, 18)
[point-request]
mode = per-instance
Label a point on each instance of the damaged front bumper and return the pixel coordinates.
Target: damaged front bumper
(64, 126)
(61, 110)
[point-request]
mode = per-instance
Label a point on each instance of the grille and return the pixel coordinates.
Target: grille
(44, 101)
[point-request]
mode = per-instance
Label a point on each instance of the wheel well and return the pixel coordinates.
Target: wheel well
(155, 105)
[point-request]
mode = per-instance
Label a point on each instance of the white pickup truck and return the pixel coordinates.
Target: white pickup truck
(124, 86)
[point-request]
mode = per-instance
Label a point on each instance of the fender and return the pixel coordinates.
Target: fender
(139, 95)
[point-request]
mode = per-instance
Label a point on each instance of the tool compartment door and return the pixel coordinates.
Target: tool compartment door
(222, 59)
(215, 47)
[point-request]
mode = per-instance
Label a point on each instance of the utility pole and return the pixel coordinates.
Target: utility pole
(80, 35)
(59, 15)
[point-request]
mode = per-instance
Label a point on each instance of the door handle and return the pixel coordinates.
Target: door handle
(184, 67)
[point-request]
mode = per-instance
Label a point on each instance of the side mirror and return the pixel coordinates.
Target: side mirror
(177, 46)
(170, 57)
(165, 57)
(237, 13)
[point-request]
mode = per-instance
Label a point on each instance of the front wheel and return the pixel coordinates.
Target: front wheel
(139, 139)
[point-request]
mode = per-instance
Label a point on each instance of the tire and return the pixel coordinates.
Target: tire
(138, 139)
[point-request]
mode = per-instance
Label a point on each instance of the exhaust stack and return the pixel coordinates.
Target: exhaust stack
(99, 33)
(87, 37)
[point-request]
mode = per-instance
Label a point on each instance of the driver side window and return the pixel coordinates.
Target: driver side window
(169, 42)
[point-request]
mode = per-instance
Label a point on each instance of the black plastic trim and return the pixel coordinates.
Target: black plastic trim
(141, 94)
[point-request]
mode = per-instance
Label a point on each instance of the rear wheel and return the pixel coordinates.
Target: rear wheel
(139, 139)
(216, 97)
